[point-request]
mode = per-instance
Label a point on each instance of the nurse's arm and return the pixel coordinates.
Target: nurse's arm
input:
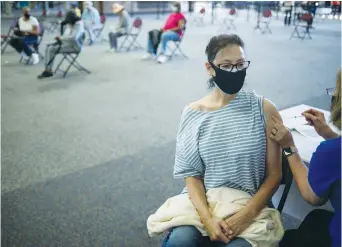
(300, 174)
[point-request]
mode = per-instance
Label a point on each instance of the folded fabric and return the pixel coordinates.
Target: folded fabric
(265, 231)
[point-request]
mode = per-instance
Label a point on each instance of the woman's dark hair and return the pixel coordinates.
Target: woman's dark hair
(216, 44)
(177, 5)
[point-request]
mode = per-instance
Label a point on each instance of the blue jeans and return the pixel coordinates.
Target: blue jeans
(165, 37)
(22, 44)
(189, 236)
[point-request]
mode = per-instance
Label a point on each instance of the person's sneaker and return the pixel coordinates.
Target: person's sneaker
(90, 42)
(149, 56)
(162, 59)
(111, 50)
(35, 58)
(45, 74)
(24, 56)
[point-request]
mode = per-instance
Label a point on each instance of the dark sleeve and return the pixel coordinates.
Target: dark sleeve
(321, 170)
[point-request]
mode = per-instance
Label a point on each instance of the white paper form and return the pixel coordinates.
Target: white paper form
(293, 119)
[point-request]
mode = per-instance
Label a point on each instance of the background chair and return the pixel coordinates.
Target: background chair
(131, 37)
(199, 17)
(98, 32)
(264, 22)
(304, 24)
(6, 38)
(71, 57)
(55, 25)
(228, 22)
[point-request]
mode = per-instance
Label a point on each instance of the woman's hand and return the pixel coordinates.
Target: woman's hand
(281, 134)
(238, 223)
(217, 229)
(317, 120)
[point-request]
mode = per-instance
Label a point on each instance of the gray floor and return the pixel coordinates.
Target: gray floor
(87, 158)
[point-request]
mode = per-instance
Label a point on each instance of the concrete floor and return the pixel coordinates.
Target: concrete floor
(87, 158)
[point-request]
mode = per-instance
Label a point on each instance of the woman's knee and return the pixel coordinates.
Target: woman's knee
(183, 236)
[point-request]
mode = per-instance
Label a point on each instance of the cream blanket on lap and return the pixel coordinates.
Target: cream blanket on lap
(265, 231)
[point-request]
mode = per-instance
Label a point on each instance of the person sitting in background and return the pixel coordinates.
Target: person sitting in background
(78, 14)
(319, 183)
(26, 33)
(172, 30)
(92, 21)
(123, 27)
(71, 41)
(75, 8)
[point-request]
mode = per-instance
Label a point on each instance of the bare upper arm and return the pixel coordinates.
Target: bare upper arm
(181, 23)
(273, 150)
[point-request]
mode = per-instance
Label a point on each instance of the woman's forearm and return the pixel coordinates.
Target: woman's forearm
(300, 174)
(258, 202)
(198, 196)
(329, 134)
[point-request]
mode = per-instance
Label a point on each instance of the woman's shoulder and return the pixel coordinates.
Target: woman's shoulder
(196, 105)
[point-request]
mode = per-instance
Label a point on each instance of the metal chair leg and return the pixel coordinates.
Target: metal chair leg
(70, 64)
(57, 68)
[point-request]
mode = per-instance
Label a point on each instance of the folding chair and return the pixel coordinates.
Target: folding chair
(6, 38)
(308, 19)
(266, 19)
(55, 25)
(35, 46)
(98, 32)
(71, 57)
(176, 47)
(199, 18)
(287, 181)
(228, 22)
(131, 37)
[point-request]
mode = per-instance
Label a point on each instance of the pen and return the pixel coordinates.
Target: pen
(296, 117)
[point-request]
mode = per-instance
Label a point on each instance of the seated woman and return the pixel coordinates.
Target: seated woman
(71, 41)
(319, 183)
(123, 27)
(27, 32)
(92, 20)
(223, 140)
(172, 30)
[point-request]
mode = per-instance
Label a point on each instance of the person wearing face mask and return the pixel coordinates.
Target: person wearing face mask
(26, 33)
(121, 29)
(92, 20)
(318, 183)
(223, 141)
(70, 41)
(172, 30)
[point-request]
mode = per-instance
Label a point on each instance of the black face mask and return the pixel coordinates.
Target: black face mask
(27, 15)
(229, 82)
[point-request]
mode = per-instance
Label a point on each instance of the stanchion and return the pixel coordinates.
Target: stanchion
(158, 10)
(258, 21)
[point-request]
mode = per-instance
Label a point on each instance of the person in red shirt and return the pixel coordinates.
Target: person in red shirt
(172, 30)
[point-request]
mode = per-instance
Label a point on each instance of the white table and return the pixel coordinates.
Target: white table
(306, 146)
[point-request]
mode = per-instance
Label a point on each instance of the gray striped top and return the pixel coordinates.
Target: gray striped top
(226, 147)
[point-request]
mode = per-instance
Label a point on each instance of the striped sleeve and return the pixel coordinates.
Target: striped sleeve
(187, 161)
